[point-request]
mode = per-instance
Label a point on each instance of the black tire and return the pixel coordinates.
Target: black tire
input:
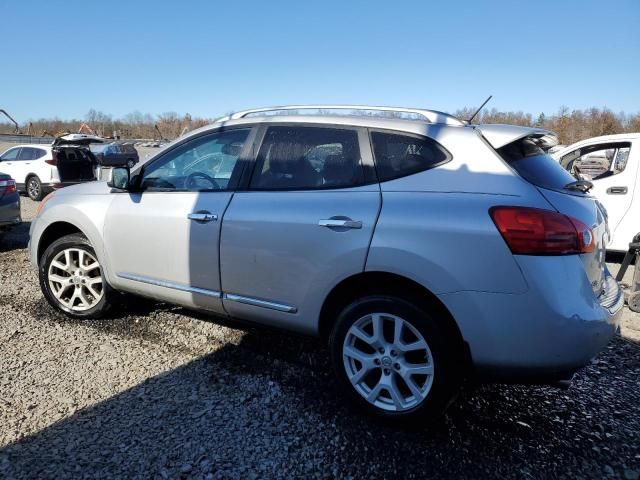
(447, 374)
(75, 241)
(34, 188)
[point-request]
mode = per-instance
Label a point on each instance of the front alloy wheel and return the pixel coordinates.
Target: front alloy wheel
(34, 189)
(75, 279)
(72, 279)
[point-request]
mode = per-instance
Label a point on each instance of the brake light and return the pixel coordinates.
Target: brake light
(8, 186)
(53, 160)
(532, 231)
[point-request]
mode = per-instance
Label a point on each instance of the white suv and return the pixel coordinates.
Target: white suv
(39, 169)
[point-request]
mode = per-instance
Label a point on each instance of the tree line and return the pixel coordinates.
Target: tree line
(569, 125)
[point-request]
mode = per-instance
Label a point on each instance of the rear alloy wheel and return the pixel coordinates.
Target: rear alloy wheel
(131, 164)
(72, 279)
(34, 189)
(393, 360)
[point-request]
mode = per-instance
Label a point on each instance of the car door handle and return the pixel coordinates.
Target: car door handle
(203, 217)
(617, 190)
(344, 223)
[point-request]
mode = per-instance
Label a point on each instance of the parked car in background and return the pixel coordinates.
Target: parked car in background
(9, 203)
(423, 249)
(116, 154)
(38, 169)
(611, 163)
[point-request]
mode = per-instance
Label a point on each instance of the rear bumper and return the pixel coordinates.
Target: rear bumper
(9, 210)
(545, 334)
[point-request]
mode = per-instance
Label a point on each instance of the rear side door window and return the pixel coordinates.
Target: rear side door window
(399, 155)
(308, 158)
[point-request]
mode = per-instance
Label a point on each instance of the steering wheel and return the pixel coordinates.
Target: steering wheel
(191, 184)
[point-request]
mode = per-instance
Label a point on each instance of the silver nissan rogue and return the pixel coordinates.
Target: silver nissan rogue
(422, 248)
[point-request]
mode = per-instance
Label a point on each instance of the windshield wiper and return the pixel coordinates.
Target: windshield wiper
(579, 185)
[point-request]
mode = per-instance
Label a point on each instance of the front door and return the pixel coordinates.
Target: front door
(163, 241)
(612, 168)
(304, 224)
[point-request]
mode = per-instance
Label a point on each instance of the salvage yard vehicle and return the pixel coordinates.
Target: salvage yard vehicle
(38, 169)
(422, 248)
(610, 163)
(9, 203)
(116, 154)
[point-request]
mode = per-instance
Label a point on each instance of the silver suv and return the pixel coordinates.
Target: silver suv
(424, 249)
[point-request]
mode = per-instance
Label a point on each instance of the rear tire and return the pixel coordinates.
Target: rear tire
(131, 163)
(72, 279)
(34, 188)
(413, 369)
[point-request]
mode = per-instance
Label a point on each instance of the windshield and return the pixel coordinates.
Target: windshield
(534, 165)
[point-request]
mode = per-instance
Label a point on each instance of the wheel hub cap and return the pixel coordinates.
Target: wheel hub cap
(388, 362)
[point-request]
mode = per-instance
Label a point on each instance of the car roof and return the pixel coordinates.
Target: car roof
(30, 145)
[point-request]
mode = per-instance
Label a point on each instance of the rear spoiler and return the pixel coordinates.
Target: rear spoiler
(500, 135)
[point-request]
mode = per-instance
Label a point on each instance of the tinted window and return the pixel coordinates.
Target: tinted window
(401, 155)
(29, 153)
(308, 158)
(202, 164)
(11, 154)
(535, 166)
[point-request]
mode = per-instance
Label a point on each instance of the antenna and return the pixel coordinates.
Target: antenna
(481, 107)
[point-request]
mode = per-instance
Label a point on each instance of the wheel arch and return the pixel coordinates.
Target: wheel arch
(53, 232)
(391, 284)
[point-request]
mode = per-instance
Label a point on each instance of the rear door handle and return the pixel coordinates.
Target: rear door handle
(203, 217)
(617, 190)
(333, 222)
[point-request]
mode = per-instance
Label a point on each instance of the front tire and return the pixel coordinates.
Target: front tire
(34, 189)
(72, 279)
(394, 360)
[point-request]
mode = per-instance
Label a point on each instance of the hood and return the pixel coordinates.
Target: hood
(500, 135)
(76, 139)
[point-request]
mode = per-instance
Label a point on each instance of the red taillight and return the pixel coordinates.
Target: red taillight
(531, 231)
(53, 160)
(8, 186)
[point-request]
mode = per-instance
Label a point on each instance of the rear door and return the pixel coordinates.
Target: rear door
(163, 241)
(304, 223)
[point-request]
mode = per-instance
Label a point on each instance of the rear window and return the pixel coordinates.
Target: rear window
(401, 155)
(534, 165)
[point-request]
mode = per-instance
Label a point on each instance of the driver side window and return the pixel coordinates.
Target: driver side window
(594, 162)
(200, 165)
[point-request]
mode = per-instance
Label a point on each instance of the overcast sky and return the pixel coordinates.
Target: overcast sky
(208, 58)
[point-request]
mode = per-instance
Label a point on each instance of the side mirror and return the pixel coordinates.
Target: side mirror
(119, 178)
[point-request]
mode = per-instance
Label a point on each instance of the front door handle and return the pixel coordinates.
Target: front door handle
(203, 217)
(340, 223)
(617, 190)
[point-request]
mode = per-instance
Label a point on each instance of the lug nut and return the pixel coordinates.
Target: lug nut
(394, 353)
(386, 371)
(377, 361)
(381, 350)
(396, 366)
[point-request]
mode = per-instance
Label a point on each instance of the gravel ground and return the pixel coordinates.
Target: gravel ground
(164, 393)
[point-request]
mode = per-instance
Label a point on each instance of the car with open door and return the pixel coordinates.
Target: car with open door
(422, 249)
(610, 163)
(38, 169)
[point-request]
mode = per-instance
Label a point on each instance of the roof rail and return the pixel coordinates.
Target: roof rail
(431, 116)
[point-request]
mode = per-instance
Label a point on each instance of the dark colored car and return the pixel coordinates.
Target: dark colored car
(116, 154)
(9, 202)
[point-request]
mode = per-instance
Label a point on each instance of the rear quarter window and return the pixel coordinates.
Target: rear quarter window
(399, 155)
(534, 165)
